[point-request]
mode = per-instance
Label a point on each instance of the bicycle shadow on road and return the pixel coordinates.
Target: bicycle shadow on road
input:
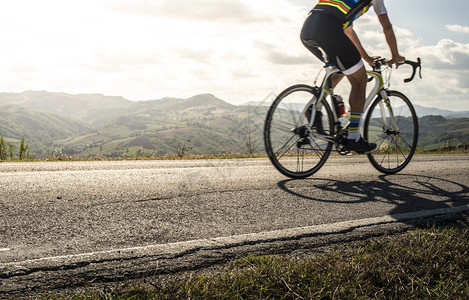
(408, 193)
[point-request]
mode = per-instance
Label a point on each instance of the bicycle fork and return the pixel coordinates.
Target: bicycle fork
(385, 105)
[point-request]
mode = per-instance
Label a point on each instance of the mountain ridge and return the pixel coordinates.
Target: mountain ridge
(420, 110)
(75, 105)
(93, 124)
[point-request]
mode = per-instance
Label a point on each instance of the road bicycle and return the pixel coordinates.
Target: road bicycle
(305, 124)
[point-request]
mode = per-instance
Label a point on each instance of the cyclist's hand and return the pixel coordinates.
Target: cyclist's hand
(397, 60)
(371, 60)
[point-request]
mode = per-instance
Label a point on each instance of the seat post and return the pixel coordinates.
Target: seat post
(330, 83)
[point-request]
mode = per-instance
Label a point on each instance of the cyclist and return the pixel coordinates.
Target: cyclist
(329, 28)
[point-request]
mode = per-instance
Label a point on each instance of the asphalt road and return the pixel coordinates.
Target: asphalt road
(70, 223)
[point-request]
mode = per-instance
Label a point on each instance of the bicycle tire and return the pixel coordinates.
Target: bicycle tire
(285, 147)
(395, 146)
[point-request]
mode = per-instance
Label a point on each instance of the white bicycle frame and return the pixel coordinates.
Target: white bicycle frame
(377, 89)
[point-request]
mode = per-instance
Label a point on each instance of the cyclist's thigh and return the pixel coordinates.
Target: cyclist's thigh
(327, 32)
(312, 36)
(344, 54)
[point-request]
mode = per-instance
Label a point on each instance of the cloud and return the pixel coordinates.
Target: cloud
(203, 56)
(244, 72)
(289, 52)
(372, 37)
(117, 60)
(463, 81)
(283, 58)
(458, 28)
(236, 49)
(444, 64)
(444, 71)
(239, 11)
(447, 55)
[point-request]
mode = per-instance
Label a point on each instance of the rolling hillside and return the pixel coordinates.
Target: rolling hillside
(437, 131)
(40, 129)
(204, 123)
(97, 125)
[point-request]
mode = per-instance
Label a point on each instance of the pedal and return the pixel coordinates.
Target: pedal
(340, 140)
(342, 150)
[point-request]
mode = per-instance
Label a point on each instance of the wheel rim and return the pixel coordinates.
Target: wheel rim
(294, 151)
(396, 142)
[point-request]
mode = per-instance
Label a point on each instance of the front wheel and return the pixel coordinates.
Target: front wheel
(293, 149)
(393, 125)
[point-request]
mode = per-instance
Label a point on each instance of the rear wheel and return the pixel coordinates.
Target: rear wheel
(393, 125)
(293, 150)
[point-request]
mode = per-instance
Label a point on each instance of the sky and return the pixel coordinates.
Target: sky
(237, 50)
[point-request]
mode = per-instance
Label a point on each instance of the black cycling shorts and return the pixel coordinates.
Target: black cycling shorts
(325, 31)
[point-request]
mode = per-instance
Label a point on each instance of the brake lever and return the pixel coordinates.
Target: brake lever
(414, 65)
(420, 67)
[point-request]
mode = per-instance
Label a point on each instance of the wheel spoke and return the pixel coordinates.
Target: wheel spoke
(405, 141)
(398, 147)
(277, 153)
(318, 151)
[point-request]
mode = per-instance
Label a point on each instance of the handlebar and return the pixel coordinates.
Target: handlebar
(414, 65)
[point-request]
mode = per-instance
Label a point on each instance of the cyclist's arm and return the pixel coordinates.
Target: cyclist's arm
(391, 40)
(354, 38)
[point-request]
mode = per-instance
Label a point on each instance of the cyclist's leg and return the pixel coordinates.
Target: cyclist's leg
(336, 79)
(325, 31)
(355, 142)
(350, 62)
(322, 34)
(358, 81)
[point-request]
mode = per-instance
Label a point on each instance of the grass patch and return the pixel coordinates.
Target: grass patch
(422, 264)
(200, 157)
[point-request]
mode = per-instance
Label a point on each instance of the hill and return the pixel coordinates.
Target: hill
(437, 132)
(204, 123)
(97, 125)
(40, 129)
(90, 108)
(423, 111)
(90, 125)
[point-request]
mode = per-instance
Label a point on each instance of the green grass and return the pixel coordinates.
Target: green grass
(421, 264)
(147, 156)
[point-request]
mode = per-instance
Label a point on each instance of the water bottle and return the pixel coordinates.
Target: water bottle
(341, 105)
(342, 114)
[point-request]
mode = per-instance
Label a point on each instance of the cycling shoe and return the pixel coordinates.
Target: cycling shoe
(361, 146)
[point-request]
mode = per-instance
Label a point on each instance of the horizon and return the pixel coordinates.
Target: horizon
(238, 50)
(179, 98)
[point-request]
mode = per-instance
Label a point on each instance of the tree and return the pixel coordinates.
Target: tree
(140, 152)
(184, 149)
(24, 149)
(248, 131)
(3, 149)
(11, 150)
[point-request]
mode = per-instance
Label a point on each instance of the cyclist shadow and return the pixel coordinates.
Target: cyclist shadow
(408, 193)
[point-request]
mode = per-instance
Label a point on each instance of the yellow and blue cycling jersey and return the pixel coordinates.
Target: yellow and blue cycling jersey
(345, 10)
